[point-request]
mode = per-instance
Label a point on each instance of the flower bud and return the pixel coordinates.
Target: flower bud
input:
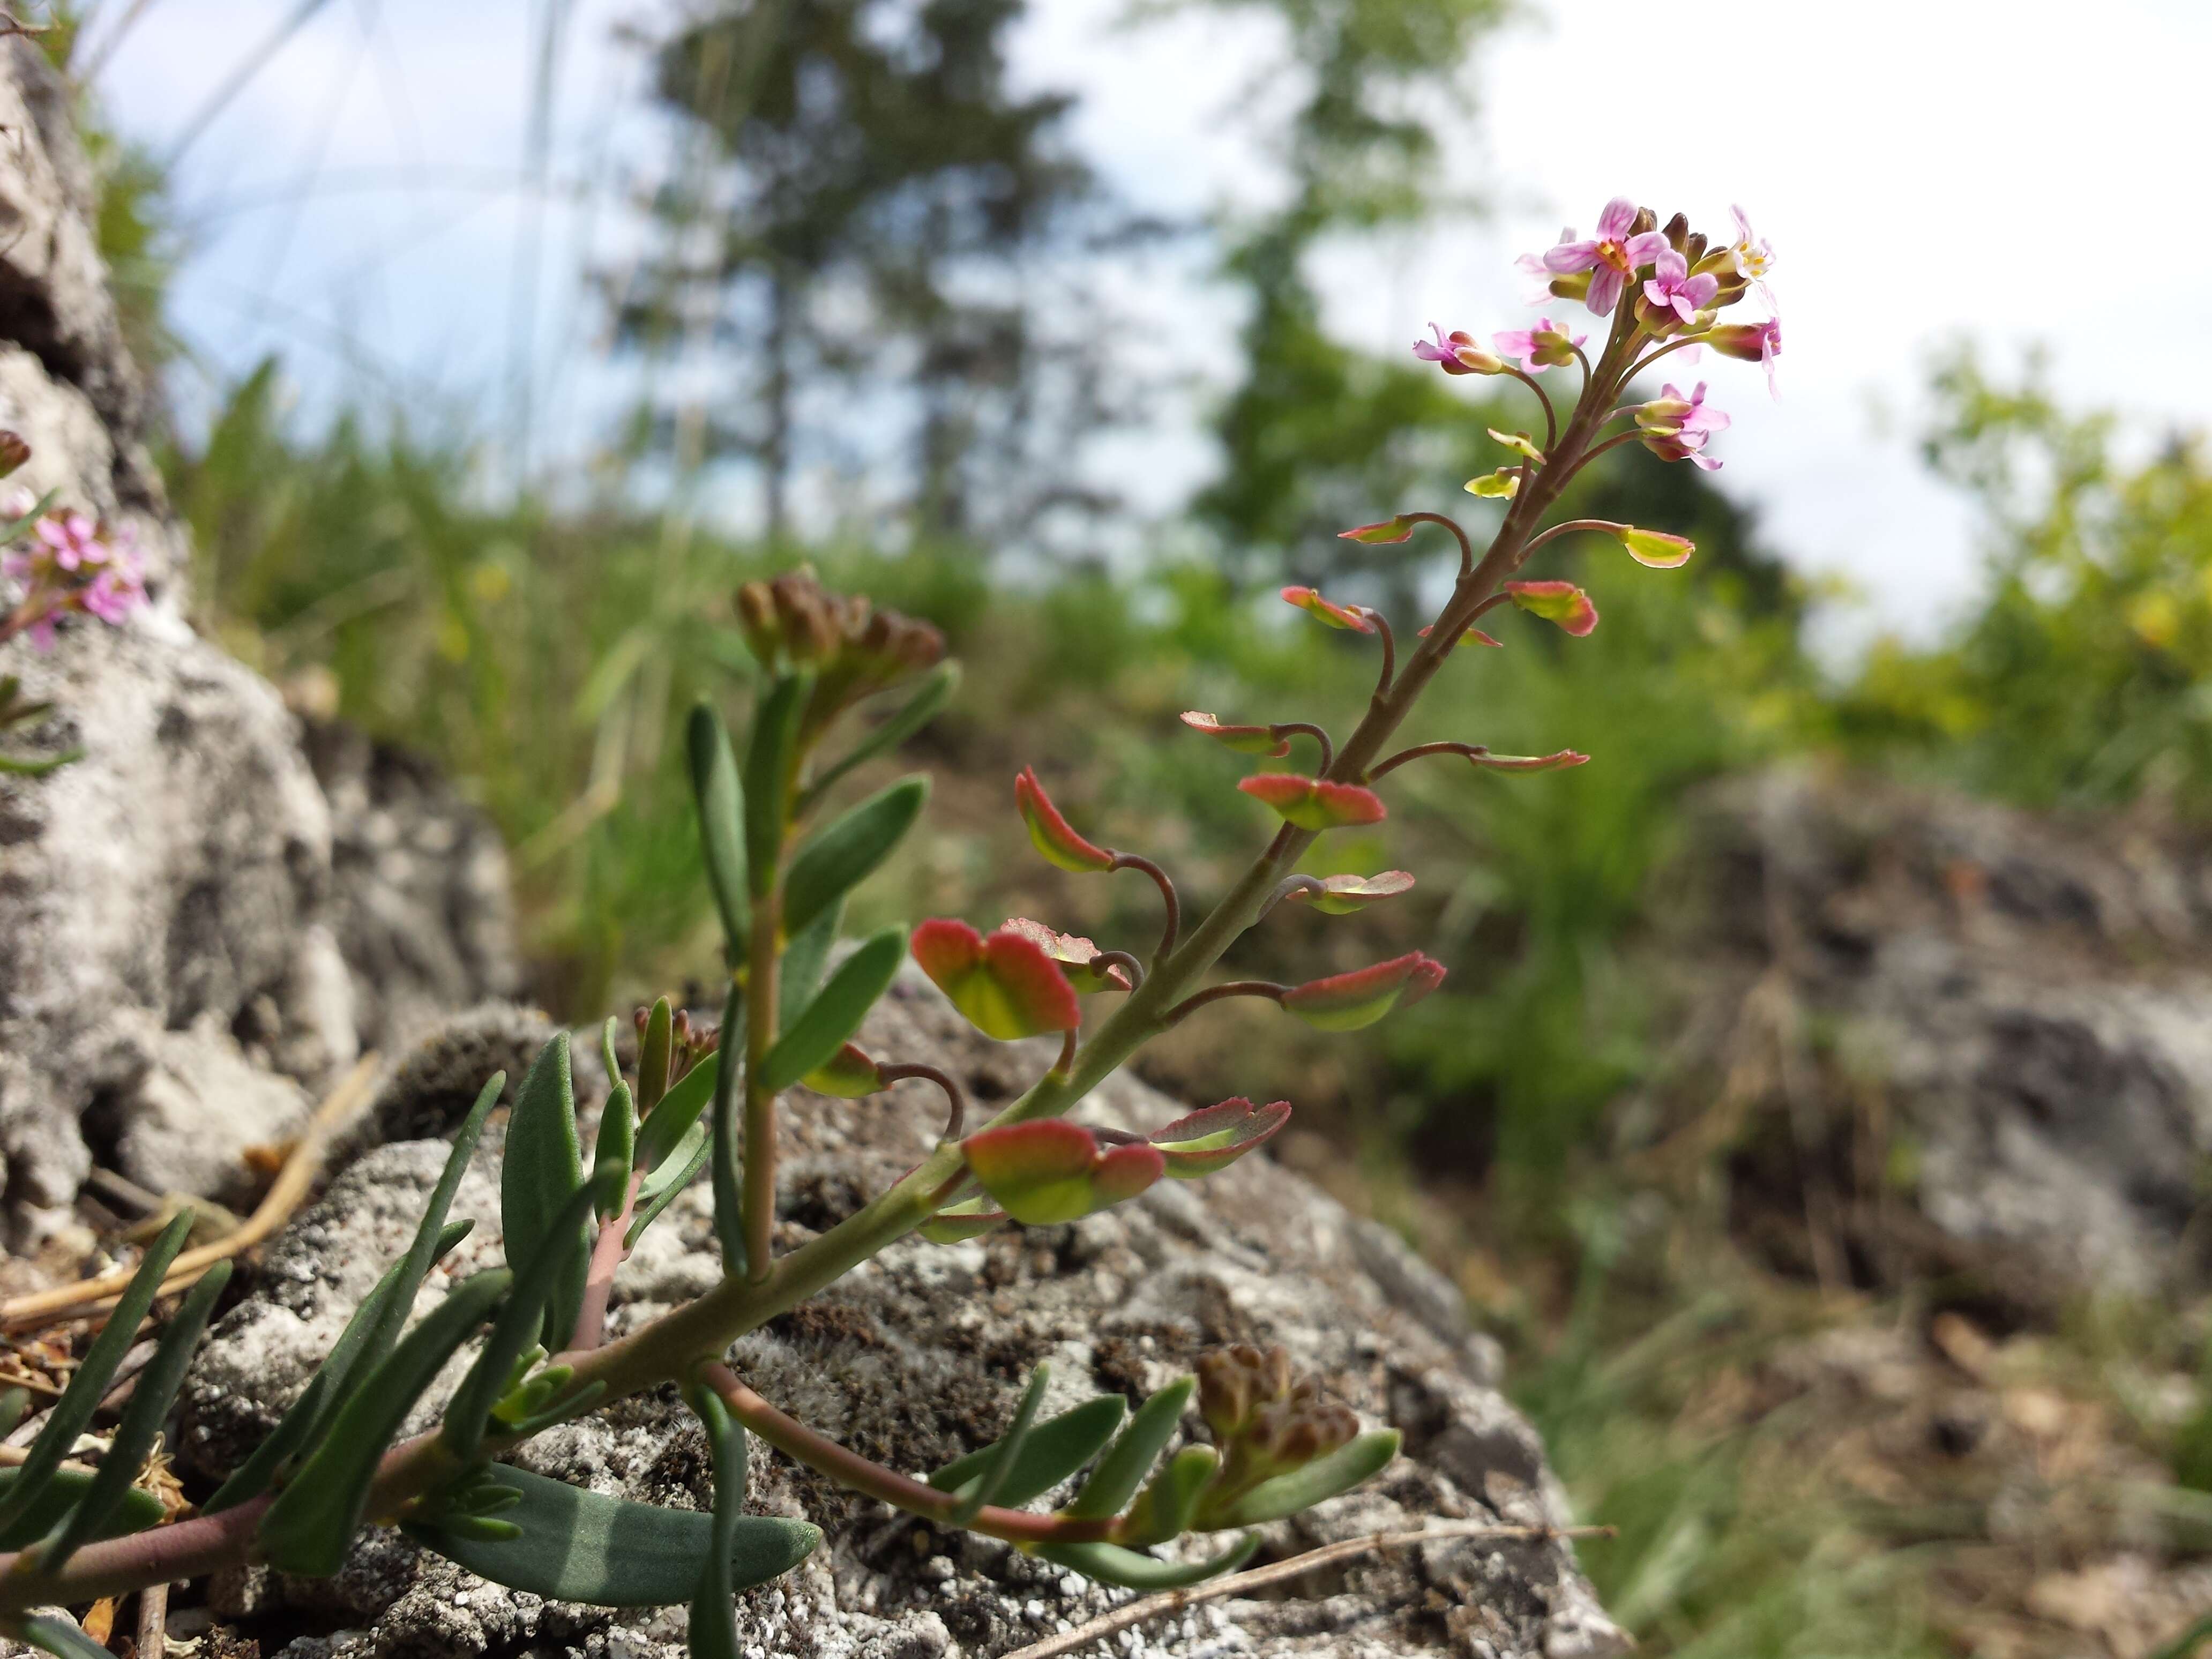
(1236, 1382)
(14, 451)
(1745, 342)
(1694, 249)
(1644, 221)
(1677, 232)
(1573, 285)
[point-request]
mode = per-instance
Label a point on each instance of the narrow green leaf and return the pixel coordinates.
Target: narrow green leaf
(1123, 1470)
(1110, 1564)
(65, 1489)
(59, 1635)
(1000, 1457)
(561, 1410)
(1055, 1449)
(307, 1529)
(670, 1123)
(13, 1404)
(654, 1052)
(516, 1330)
(611, 1153)
(1287, 1494)
(713, 1623)
(721, 803)
(1166, 1509)
(837, 1009)
(72, 1413)
(803, 959)
(382, 1335)
(251, 1478)
(141, 1426)
(840, 856)
(658, 1189)
(769, 759)
(544, 1167)
(728, 1144)
(578, 1545)
(927, 702)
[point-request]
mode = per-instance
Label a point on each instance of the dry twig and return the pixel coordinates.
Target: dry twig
(1149, 1607)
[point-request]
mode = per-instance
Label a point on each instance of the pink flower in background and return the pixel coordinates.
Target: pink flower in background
(1671, 287)
(1611, 258)
(1457, 352)
(1539, 291)
(1545, 346)
(1754, 256)
(72, 540)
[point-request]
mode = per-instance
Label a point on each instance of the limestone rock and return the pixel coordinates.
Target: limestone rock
(2002, 1018)
(917, 1359)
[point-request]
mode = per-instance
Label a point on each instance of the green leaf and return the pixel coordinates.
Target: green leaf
(836, 1011)
(307, 1529)
(653, 1051)
(728, 1144)
(65, 1489)
(611, 1153)
(838, 858)
(927, 702)
(59, 1635)
(141, 1426)
(721, 803)
(13, 1404)
(1056, 1449)
(1123, 1470)
(544, 1167)
(713, 1625)
(1169, 1504)
(658, 1190)
(999, 1458)
(577, 1545)
(1287, 1494)
(669, 1124)
(803, 959)
(770, 758)
(251, 1478)
(515, 1331)
(1110, 1564)
(72, 1413)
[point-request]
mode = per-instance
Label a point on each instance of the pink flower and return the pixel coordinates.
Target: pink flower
(1675, 427)
(1612, 257)
(1752, 343)
(16, 564)
(112, 595)
(73, 538)
(1457, 352)
(1754, 256)
(1671, 287)
(1539, 291)
(42, 632)
(1545, 346)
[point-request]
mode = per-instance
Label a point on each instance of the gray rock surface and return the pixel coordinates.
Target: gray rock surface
(1964, 1039)
(190, 941)
(917, 1359)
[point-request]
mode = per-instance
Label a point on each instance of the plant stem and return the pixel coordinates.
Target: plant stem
(760, 1102)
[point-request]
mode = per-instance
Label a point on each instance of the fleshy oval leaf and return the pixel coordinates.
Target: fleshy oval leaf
(836, 1011)
(1054, 1450)
(1051, 1170)
(1217, 1136)
(840, 856)
(1367, 1455)
(543, 1167)
(1340, 896)
(1501, 485)
(1074, 954)
(1128, 1568)
(1345, 1002)
(1123, 1470)
(1519, 443)
(578, 1545)
(1005, 985)
(971, 1218)
(1314, 803)
(1051, 833)
(1564, 758)
(1656, 548)
(1243, 740)
(1383, 533)
(849, 1074)
(1310, 601)
(1557, 602)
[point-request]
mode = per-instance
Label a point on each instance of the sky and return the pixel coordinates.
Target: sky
(1927, 170)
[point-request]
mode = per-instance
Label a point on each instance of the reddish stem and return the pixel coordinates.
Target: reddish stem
(1235, 988)
(607, 1257)
(1465, 547)
(1169, 897)
(1288, 728)
(848, 1467)
(1393, 763)
(956, 1117)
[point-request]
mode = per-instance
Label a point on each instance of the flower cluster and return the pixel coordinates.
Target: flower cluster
(66, 563)
(1663, 287)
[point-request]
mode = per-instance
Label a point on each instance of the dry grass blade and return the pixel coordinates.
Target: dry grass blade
(94, 1296)
(1236, 1584)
